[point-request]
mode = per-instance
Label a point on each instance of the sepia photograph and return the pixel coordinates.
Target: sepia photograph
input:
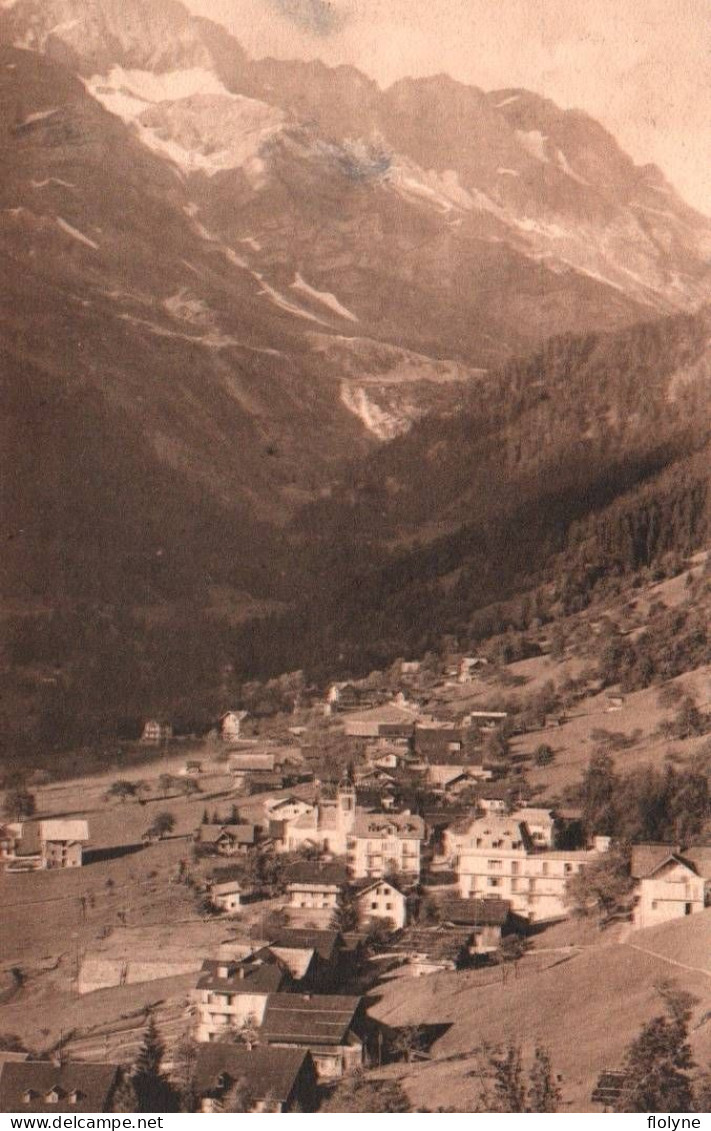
(355, 590)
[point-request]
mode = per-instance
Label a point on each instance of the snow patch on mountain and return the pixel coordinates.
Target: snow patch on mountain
(129, 92)
(507, 101)
(76, 234)
(534, 142)
(324, 297)
(383, 424)
(278, 299)
(563, 163)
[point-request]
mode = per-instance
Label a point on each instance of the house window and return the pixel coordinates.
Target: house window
(373, 907)
(389, 906)
(493, 881)
(544, 869)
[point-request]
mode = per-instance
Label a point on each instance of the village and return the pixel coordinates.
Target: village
(294, 902)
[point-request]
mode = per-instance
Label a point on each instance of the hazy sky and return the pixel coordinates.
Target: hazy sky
(643, 67)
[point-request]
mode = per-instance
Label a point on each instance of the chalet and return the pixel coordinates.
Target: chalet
(62, 842)
(315, 887)
(468, 666)
(367, 724)
(231, 725)
(230, 993)
(431, 950)
(43, 1086)
(670, 884)
(330, 1027)
(247, 762)
(267, 1079)
(353, 697)
(410, 667)
(155, 733)
(450, 780)
(384, 843)
(226, 894)
(228, 840)
(378, 901)
(312, 957)
(487, 918)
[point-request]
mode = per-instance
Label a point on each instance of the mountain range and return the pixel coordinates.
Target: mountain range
(264, 320)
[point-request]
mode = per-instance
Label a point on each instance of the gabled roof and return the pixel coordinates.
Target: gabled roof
(246, 763)
(64, 829)
(92, 1085)
(647, 858)
(404, 825)
(241, 834)
(362, 887)
(310, 1019)
(331, 874)
(267, 1071)
(247, 977)
(324, 943)
(476, 912)
(388, 714)
(700, 858)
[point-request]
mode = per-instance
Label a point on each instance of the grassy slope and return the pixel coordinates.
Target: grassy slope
(585, 1009)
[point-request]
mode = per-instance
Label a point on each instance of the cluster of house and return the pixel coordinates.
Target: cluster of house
(59, 842)
(268, 1078)
(156, 732)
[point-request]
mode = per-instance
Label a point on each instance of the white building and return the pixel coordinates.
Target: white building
(385, 843)
(227, 895)
(326, 825)
(230, 994)
(379, 901)
(231, 725)
(671, 884)
(497, 857)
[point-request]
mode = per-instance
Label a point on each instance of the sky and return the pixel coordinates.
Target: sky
(642, 67)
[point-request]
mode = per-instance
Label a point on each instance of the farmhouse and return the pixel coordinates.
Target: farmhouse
(671, 884)
(384, 843)
(311, 956)
(227, 840)
(230, 993)
(487, 918)
(379, 901)
(60, 840)
(329, 1026)
(226, 894)
(231, 725)
(155, 732)
(32, 1085)
(367, 724)
(268, 1079)
(315, 887)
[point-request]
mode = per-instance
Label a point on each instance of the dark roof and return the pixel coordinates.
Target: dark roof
(246, 977)
(266, 1070)
(646, 858)
(325, 943)
(315, 1019)
(210, 834)
(476, 912)
(92, 1083)
(317, 873)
